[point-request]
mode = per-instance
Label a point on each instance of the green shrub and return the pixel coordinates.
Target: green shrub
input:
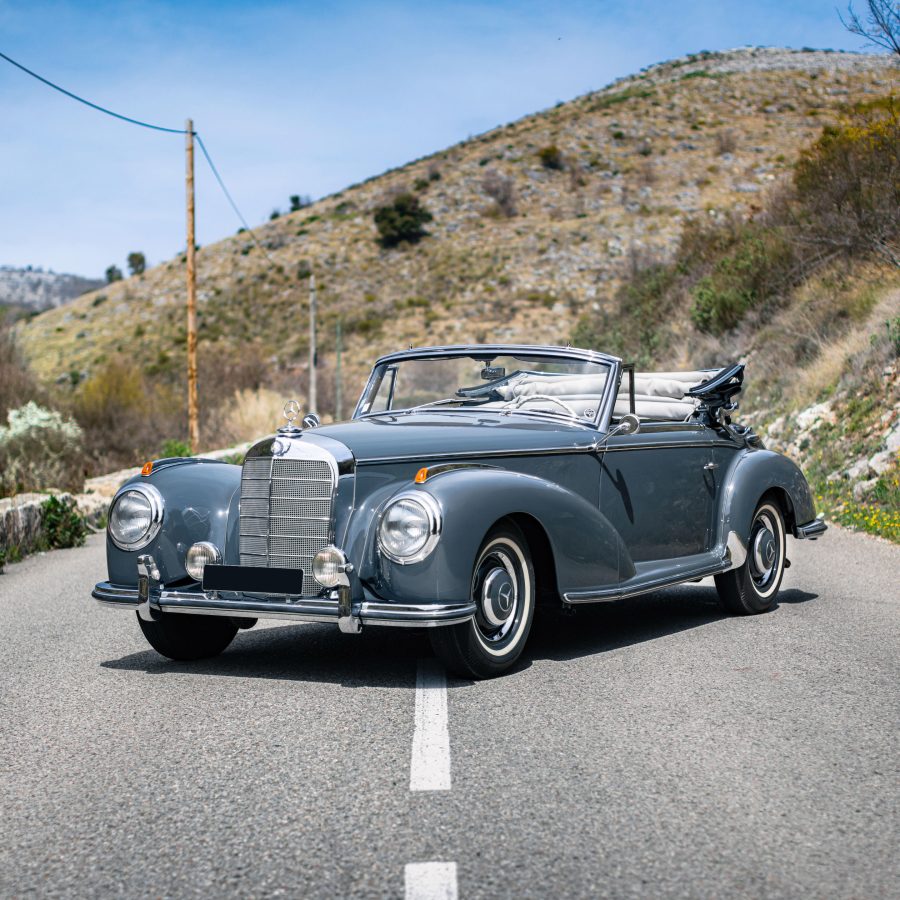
(61, 524)
(758, 266)
(174, 447)
(40, 449)
(401, 220)
(609, 100)
(551, 157)
(847, 184)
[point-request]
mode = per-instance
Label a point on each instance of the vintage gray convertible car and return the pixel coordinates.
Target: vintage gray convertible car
(472, 484)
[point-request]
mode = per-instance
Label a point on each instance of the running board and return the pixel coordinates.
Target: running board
(693, 568)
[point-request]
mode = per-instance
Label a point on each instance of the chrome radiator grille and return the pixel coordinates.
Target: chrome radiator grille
(286, 513)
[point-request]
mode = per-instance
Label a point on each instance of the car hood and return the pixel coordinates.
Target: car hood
(435, 434)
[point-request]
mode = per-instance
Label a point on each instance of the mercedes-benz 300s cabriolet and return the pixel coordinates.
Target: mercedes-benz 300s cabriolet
(472, 484)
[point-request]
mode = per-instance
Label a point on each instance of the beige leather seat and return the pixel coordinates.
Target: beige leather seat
(658, 396)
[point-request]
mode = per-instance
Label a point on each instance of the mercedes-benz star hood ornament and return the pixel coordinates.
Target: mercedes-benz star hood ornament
(291, 411)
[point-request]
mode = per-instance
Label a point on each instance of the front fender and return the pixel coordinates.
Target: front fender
(197, 494)
(753, 474)
(586, 549)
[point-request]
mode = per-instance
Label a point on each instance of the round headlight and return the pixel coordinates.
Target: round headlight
(198, 556)
(135, 517)
(328, 567)
(410, 528)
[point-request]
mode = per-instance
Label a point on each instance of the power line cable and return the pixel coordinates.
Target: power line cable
(116, 115)
(228, 196)
(102, 109)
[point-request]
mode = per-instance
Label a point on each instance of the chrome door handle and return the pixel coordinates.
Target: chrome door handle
(710, 466)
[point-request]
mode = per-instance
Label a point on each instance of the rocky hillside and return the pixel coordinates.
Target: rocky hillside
(34, 290)
(621, 168)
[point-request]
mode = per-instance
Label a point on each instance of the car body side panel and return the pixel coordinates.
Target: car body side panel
(198, 496)
(586, 548)
(657, 494)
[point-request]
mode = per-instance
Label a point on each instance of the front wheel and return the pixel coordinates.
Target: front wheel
(187, 637)
(503, 591)
(753, 587)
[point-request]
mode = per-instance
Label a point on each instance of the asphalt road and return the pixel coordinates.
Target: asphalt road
(650, 748)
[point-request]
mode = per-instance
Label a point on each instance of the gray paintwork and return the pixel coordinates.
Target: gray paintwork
(619, 515)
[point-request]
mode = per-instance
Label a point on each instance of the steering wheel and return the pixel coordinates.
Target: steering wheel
(520, 401)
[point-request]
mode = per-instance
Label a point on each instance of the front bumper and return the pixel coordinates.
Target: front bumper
(311, 609)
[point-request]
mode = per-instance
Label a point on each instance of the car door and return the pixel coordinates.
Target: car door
(657, 490)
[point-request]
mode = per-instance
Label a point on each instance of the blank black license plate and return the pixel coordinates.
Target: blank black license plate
(253, 579)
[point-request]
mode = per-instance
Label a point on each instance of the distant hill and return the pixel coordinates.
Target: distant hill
(34, 290)
(696, 136)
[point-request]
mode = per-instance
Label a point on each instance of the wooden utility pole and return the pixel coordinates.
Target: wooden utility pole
(338, 412)
(193, 412)
(313, 399)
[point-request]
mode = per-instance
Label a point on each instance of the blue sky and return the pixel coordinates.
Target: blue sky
(300, 98)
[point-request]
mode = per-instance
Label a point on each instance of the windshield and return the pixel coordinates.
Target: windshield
(556, 385)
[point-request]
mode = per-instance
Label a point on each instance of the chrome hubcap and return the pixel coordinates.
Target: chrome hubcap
(765, 550)
(496, 590)
(497, 597)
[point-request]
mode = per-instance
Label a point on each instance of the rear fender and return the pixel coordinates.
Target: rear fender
(754, 474)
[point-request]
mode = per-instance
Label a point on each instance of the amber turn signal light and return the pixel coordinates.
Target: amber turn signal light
(148, 468)
(421, 475)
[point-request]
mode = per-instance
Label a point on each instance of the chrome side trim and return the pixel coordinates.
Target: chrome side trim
(322, 609)
(811, 530)
(476, 454)
(546, 451)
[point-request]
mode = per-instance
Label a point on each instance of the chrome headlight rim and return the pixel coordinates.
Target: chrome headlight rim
(435, 523)
(157, 513)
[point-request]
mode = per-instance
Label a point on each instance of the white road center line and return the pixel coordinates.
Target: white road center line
(430, 767)
(431, 881)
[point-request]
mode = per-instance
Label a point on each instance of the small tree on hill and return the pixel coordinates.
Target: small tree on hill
(881, 27)
(551, 158)
(401, 220)
(137, 263)
(113, 273)
(502, 190)
(299, 201)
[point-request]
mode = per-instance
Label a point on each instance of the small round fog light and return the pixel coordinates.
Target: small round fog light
(329, 566)
(198, 556)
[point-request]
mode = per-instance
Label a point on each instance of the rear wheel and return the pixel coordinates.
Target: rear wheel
(187, 637)
(503, 592)
(753, 587)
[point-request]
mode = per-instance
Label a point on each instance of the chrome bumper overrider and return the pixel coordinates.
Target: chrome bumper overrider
(313, 609)
(810, 530)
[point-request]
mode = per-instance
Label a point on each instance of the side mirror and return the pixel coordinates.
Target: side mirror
(311, 420)
(628, 424)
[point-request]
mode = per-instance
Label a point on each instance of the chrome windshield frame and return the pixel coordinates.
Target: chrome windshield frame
(600, 421)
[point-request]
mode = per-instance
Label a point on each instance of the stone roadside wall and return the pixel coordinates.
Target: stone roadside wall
(20, 516)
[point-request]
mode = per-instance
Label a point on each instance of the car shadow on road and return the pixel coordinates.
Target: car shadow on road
(387, 657)
(379, 657)
(598, 628)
